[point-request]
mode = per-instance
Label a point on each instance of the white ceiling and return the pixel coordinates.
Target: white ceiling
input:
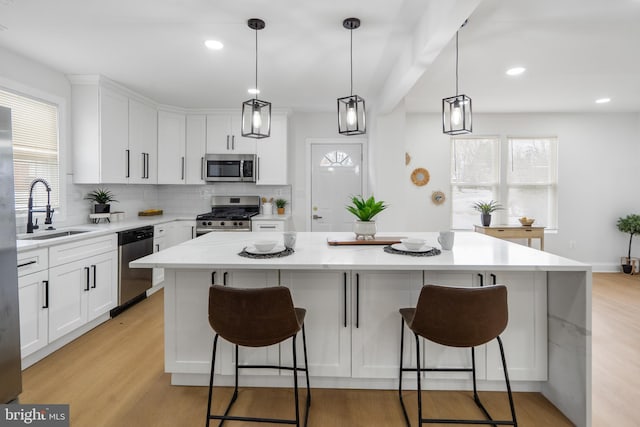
(574, 50)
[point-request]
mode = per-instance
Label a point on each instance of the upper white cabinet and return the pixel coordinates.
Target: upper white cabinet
(171, 148)
(143, 143)
(100, 127)
(272, 154)
(196, 148)
(114, 137)
(224, 135)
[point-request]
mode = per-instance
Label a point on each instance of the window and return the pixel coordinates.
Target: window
(518, 172)
(35, 148)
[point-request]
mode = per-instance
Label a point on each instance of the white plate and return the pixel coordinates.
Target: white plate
(275, 250)
(402, 247)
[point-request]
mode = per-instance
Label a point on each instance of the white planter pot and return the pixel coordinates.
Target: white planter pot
(365, 230)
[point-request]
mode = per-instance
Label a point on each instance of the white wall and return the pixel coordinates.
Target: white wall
(598, 172)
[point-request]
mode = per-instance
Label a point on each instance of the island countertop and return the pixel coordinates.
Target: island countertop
(471, 251)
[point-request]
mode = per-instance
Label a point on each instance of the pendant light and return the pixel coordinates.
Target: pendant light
(456, 110)
(351, 112)
(256, 114)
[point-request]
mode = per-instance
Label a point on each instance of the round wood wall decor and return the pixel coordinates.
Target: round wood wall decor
(420, 177)
(437, 197)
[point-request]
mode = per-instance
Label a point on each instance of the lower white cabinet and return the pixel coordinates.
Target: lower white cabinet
(80, 291)
(267, 225)
(33, 298)
(326, 295)
(167, 235)
(375, 320)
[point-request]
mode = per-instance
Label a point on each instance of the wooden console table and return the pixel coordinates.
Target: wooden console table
(513, 232)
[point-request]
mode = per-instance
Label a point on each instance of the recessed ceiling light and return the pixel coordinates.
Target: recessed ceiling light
(515, 71)
(253, 91)
(214, 44)
(603, 100)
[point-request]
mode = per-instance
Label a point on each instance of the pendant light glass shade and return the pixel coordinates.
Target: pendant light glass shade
(256, 114)
(456, 110)
(351, 109)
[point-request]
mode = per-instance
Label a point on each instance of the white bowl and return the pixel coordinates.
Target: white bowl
(264, 245)
(413, 244)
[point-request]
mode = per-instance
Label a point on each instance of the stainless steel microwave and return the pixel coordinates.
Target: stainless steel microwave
(230, 167)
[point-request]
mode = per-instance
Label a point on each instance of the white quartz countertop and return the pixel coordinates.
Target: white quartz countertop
(471, 251)
(94, 230)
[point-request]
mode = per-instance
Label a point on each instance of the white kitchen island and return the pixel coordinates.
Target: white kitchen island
(352, 295)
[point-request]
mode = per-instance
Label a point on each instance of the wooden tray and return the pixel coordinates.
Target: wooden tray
(379, 240)
(150, 212)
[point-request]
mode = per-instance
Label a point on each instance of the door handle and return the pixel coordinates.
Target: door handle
(227, 142)
(202, 168)
(213, 277)
(46, 294)
(493, 278)
(144, 166)
(182, 168)
(258, 168)
(233, 142)
(357, 300)
(27, 263)
(481, 279)
(86, 270)
(316, 217)
(128, 164)
(224, 279)
(345, 299)
(93, 267)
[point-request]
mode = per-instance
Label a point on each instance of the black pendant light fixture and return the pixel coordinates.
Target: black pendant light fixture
(351, 112)
(456, 110)
(256, 114)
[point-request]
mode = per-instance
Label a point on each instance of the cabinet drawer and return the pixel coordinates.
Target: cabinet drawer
(73, 251)
(267, 225)
(32, 261)
(160, 230)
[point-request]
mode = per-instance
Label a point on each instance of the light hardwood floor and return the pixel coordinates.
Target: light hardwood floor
(114, 376)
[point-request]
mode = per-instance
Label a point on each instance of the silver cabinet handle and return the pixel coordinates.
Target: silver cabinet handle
(267, 226)
(227, 142)
(233, 142)
(202, 168)
(182, 167)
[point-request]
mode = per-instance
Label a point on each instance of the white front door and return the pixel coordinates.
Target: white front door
(336, 175)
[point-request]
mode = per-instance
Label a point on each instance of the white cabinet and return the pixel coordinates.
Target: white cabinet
(82, 283)
(159, 243)
(114, 137)
(224, 135)
(326, 295)
(167, 235)
(196, 148)
(272, 154)
(33, 290)
(100, 128)
(143, 143)
(171, 148)
(375, 339)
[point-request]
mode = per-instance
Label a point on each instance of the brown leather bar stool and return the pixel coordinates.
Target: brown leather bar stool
(457, 317)
(256, 318)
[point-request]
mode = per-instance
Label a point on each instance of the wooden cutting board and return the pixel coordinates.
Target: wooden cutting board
(379, 240)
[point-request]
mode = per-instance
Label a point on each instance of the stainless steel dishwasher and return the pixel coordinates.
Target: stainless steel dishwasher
(133, 282)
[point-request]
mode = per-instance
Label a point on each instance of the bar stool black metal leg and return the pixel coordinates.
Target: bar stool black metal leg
(418, 371)
(476, 397)
(306, 371)
(506, 378)
(213, 366)
(295, 381)
(404, 410)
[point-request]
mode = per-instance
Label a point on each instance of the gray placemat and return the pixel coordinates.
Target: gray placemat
(432, 252)
(286, 252)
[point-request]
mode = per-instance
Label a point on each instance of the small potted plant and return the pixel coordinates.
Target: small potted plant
(485, 209)
(365, 210)
(101, 197)
(280, 204)
(629, 224)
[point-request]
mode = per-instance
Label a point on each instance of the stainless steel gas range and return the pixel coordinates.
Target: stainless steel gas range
(228, 213)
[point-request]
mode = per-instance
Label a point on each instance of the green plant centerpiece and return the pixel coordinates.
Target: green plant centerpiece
(365, 210)
(102, 199)
(485, 209)
(629, 224)
(280, 204)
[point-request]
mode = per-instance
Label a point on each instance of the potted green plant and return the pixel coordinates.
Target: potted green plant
(629, 224)
(365, 210)
(485, 209)
(280, 204)
(102, 198)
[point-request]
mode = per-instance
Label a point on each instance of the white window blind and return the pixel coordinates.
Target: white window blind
(520, 173)
(35, 148)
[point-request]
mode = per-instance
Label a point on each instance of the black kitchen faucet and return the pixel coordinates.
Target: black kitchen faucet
(48, 210)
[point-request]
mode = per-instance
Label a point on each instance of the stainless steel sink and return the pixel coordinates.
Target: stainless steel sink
(47, 235)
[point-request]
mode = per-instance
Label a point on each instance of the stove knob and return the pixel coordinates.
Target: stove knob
(240, 224)
(222, 224)
(204, 222)
(209, 223)
(235, 223)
